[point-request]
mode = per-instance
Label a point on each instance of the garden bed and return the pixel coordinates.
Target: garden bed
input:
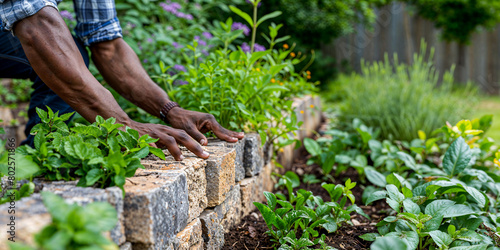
(250, 233)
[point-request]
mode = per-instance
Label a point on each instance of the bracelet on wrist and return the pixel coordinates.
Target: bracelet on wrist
(166, 108)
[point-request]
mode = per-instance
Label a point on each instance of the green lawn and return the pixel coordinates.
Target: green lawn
(490, 106)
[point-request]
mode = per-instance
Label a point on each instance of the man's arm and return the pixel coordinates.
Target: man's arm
(54, 56)
(122, 69)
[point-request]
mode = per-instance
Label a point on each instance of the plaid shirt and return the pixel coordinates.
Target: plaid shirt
(96, 19)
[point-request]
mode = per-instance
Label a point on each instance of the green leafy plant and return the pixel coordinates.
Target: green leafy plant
(92, 153)
(302, 210)
(73, 226)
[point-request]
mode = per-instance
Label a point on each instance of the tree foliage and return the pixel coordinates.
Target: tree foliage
(459, 19)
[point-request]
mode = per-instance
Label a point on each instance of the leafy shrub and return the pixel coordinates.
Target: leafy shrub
(92, 153)
(73, 226)
(401, 99)
(308, 213)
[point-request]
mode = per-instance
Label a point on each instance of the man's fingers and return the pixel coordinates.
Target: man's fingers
(197, 136)
(170, 143)
(225, 134)
(183, 138)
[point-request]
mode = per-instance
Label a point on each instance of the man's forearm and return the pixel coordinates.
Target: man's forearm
(54, 56)
(123, 71)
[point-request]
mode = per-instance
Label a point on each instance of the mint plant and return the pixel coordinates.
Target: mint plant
(74, 226)
(102, 154)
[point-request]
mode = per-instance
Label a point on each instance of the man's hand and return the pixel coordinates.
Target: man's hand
(170, 138)
(196, 123)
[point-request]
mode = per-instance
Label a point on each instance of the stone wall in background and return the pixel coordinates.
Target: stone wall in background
(176, 205)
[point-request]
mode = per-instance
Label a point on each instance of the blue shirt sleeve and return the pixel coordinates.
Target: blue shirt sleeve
(12, 11)
(96, 21)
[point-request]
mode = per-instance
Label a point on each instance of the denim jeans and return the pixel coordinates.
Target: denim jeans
(14, 64)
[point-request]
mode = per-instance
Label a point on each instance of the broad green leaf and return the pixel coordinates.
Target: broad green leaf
(393, 204)
(457, 157)
(388, 243)
(119, 180)
(93, 176)
(376, 177)
(410, 238)
(437, 206)
(330, 226)
(271, 200)
(375, 196)
(411, 207)
(473, 247)
(394, 193)
(267, 214)
(477, 195)
(25, 168)
(157, 152)
(312, 147)
(458, 210)
(440, 238)
(369, 236)
(408, 160)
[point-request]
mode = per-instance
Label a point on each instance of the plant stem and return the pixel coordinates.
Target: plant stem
(254, 26)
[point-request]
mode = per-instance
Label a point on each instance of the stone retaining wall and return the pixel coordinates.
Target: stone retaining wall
(175, 205)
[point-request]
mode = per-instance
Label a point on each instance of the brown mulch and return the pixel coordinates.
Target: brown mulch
(250, 233)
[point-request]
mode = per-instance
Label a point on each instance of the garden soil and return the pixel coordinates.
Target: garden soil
(250, 233)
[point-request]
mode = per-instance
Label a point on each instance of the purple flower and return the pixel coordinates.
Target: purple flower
(180, 82)
(145, 60)
(248, 1)
(150, 40)
(176, 45)
(207, 35)
(170, 28)
(204, 52)
(171, 7)
(200, 42)
(240, 26)
(184, 15)
(245, 47)
(258, 47)
(179, 68)
(67, 15)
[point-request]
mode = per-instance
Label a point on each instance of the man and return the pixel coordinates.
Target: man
(37, 44)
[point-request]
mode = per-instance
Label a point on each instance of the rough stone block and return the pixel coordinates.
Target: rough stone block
(155, 208)
(31, 217)
(252, 189)
(266, 178)
(220, 171)
(250, 192)
(194, 168)
(191, 237)
(212, 230)
(126, 246)
(239, 170)
(253, 157)
(86, 195)
(229, 211)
